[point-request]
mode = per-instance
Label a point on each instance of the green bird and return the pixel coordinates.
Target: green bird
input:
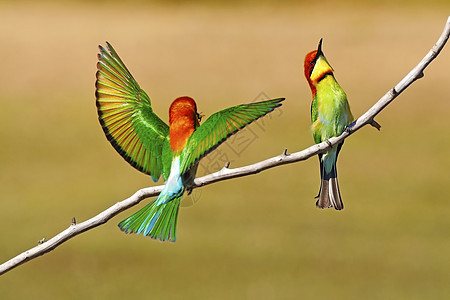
(330, 115)
(157, 149)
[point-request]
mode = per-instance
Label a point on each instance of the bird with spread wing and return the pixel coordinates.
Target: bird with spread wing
(157, 149)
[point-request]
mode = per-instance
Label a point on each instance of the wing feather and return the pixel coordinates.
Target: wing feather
(127, 118)
(219, 126)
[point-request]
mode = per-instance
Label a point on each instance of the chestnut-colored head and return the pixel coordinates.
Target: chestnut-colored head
(183, 120)
(310, 60)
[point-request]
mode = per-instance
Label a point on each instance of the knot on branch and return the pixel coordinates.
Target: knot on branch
(375, 124)
(394, 92)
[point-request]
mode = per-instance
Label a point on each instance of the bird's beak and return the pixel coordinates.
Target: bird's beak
(200, 116)
(319, 49)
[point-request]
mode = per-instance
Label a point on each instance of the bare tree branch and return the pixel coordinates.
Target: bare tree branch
(226, 173)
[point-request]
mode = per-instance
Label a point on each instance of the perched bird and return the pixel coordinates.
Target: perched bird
(330, 115)
(157, 149)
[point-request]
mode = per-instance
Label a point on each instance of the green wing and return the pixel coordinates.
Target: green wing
(220, 126)
(314, 115)
(127, 118)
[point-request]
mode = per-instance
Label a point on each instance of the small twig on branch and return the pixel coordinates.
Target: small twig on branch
(225, 173)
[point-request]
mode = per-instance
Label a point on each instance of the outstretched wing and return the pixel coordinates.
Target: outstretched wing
(127, 118)
(219, 126)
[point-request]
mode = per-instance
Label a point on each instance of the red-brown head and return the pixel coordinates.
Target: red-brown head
(316, 67)
(310, 60)
(183, 120)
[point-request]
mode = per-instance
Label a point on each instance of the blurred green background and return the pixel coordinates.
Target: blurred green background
(257, 237)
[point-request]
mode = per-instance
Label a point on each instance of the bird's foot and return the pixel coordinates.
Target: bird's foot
(349, 127)
(189, 190)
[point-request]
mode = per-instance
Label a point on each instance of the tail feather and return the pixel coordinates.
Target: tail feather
(157, 219)
(324, 200)
(329, 194)
(167, 221)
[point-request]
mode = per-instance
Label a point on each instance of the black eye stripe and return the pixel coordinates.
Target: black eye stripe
(313, 64)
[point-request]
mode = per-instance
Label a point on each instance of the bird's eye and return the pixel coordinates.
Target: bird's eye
(199, 117)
